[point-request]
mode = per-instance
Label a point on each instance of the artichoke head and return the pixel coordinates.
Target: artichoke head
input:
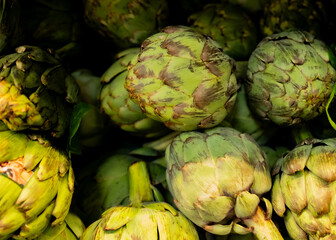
(290, 78)
(183, 79)
(304, 190)
(126, 22)
(117, 104)
(36, 92)
(143, 218)
(217, 178)
(37, 183)
(230, 26)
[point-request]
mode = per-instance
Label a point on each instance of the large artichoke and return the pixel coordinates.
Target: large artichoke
(144, 219)
(126, 22)
(290, 78)
(230, 26)
(116, 103)
(183, 79)
(36, 92)
(217, 179)
(304, 190)
(37, 184)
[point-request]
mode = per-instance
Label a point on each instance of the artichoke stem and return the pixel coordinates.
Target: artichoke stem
(301, 133)
(139, 184)
(262, 227)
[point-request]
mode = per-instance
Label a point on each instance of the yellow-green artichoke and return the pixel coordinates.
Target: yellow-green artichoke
(37, 184)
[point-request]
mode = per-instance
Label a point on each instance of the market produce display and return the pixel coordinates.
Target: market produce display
(167, 120)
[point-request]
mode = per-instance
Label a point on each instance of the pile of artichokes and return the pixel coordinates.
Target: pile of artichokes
(167, 120)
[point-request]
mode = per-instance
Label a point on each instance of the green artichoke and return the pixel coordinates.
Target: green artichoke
(71, 229)
(37, 184)
(289, 78)
(217, 179)
(144, 218)
(116, 103)
(10, 24)
(303, 191)
(230, 26)
(126, 22)
(36, 92)
(53, 24)
(282, 15)
(183, 79)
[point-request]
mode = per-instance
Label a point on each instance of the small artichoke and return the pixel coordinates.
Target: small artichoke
(116, 103)
(36, 92)
(37, 184)
(183, 79)
(217, 179)
(126, 22)
(144, 219)
(230, 26)
(303, 191)
(290, 78)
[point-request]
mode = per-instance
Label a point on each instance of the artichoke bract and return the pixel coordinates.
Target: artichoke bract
(36, 93)
(37, 184)
(116, 103)
(183, 79)
(126, 22)
(217, 178)
(144, 219)
(290, 78)
(303, 191)
(228, 25)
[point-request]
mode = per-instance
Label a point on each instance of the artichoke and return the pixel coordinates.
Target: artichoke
(53, 24)
(71, 229)
(282, 15)
(183, 79)
(303, 191)
(143, 219)
(126, 22)
(37, 184)
(116, 103)
(217, 179)
(230, 26)
(290, 78)
(10, 24)
(36, 92)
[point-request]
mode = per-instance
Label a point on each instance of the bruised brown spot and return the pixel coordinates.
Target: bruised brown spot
(179, 110)
(204, 96)
(207, 122)
(169, 78)
(16, 171)
(142, 72)
(171, 29)
(175, 48)
(208, 56)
